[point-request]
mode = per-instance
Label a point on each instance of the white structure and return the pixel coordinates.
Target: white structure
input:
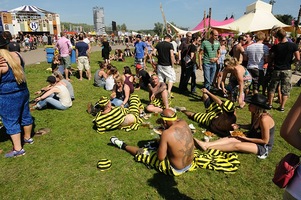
(99, 20)
(30, 19)
(258, 17)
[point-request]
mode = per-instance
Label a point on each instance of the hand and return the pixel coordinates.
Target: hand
(213, 60)
(152, 97)
(38, 92)
(3, 62)
(235, 126)
(204, 90)
(38, 99)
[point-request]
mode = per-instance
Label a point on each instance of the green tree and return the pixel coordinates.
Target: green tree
(158, 28)
(286, 19)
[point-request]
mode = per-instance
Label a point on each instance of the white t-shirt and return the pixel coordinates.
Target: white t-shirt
(256, 53)
(110, 83)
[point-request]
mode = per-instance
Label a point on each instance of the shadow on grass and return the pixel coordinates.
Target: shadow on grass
(166, 187)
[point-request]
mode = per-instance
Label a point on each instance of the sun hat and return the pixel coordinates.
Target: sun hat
(51, 79)
(3, 41)
(258, 100)
(228, 106)
(104, 164)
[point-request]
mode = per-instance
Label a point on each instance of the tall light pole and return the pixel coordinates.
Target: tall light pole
(272, 2)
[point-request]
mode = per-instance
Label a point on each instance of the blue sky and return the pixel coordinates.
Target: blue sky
(143, 14)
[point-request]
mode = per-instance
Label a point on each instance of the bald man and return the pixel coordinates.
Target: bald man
(175, 153)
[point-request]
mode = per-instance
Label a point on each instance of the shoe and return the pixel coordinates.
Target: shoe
(281, 109)
(270, 106)
(14, 153)
(28, 141)
(118, 143)
(180, 109)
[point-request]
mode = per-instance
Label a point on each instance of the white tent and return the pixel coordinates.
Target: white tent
(29, 9)
(180, 31)
(258, 17)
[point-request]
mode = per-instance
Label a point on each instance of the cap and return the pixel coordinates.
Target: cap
(103, 101)
(138, 36)
(104, 164)
(138, 66)
(167, 35)
(228, 106)
(51, 79)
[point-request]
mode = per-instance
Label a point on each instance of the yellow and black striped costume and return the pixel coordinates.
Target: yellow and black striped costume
(211, 159)
(205, 118)
(114, 118)
(158, 102)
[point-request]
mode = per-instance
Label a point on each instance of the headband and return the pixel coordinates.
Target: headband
(171, 118)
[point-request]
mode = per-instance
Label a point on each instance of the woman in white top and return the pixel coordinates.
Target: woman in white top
(290, 131)
(58, 97)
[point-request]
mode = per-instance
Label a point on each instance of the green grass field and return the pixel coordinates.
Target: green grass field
(62, 164)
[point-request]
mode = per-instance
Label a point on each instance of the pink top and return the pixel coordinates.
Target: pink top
(64, 45)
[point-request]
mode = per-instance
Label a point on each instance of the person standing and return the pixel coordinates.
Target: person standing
(140, 51)
(65, 47)
(44, 39)
(210, 52)
(183, 50)
(166, 61)
(83, 57)
(238, 49)
(282, 54)
(14, 99)
(106, 49)
(257, 55)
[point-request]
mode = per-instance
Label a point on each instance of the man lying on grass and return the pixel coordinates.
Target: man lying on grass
(176, 147)
(219, 115)
(108, 117)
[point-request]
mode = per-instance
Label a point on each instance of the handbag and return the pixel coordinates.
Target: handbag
(285, 169)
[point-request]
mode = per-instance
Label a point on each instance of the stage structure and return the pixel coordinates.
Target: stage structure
(30, 19)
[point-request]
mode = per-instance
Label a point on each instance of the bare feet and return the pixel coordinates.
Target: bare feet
(200, 144)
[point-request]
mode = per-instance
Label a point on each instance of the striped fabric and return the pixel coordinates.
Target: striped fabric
(158, 102)
(211, 159)
(205, 118)
(116, 116)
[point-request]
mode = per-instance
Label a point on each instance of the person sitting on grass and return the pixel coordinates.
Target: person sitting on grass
(219, 116)
(158, 95)
(259, 139)
(101, 75)
(57, 97)
(176, 147)
(143, 78)
(108, 117)
(120, 93)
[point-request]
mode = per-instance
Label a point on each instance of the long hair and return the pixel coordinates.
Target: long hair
(14, 65)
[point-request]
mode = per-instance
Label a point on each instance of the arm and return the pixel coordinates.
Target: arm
(48, 93)
(200, 65)
(127, 94)
(172, 57)
(265, 125)
(160, 89)
(290, 129)
(212, 96)
(162, 150)
(223, 82)
(113, 94)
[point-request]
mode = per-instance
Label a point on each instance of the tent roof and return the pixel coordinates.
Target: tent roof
(258, 17)
(29, 9)
(205, 22)
(180, 31)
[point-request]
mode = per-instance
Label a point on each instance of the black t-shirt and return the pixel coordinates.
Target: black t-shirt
(283, 55)
(163, 49)
(192, 49)
(145, 77)
(14, 46)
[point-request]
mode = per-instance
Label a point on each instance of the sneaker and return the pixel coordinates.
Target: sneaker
(118, 143)
(14, 153)
(180, 109)
(263, 156)
(281, 109)
(28, 141)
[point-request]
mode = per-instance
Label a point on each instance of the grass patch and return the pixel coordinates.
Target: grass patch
(62, 164)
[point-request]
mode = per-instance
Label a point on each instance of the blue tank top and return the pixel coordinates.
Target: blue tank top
(8, 83)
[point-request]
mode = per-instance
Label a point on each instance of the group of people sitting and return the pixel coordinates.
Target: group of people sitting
(58, 94)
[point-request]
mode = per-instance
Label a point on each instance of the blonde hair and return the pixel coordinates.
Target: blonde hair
(231, 62)
(14, 65)
(58, 74)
